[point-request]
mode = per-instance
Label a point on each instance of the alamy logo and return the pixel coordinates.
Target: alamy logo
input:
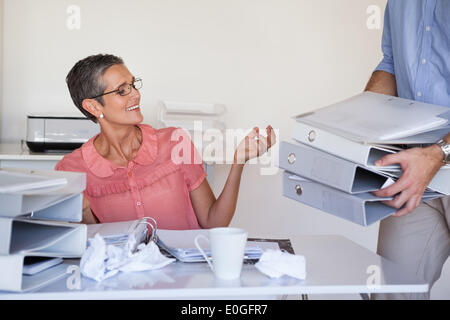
(374, 280)
(73, 21)
(73, 282)
(374, 20)
(221, 146)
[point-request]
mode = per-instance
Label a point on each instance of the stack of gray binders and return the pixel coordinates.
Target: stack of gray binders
(37, 214)
(330, 165)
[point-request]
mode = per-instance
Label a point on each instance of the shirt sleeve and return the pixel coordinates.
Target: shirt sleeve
(387, 63)
(60, 166)
(70, 162)
(191, 161)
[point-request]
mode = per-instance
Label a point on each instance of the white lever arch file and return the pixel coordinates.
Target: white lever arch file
(363, 209)
(325, 168)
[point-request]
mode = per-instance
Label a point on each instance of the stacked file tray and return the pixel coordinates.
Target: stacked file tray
(330, 165)
(37, 214)
(203, 121)
(187, 115)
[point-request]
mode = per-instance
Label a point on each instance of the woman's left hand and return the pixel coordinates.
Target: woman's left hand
(254, 145)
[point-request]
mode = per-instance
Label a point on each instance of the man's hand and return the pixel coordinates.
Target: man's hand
(419, 166)
(254, 145)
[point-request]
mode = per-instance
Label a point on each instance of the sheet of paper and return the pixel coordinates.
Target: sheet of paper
(264, 245)
(180, 243)
(110, 229)
(180, 239)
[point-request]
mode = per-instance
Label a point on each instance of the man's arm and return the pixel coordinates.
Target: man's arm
(382, 82)
(419, 165)
(383, 79)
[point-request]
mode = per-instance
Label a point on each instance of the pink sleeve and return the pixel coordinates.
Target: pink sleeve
(60, 166)
(71, 162)
(187, 155)
(194, 175)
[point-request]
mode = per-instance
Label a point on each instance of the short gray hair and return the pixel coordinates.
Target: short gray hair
(85, 79)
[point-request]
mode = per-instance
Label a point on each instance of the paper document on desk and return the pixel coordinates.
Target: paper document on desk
(119, 233)
(180, 244)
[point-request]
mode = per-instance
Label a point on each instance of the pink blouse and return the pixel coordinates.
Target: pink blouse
(154, 184)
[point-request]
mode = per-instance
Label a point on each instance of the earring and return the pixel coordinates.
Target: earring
(101, 116)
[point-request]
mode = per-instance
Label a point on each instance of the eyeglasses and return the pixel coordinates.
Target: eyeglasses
(124, 89)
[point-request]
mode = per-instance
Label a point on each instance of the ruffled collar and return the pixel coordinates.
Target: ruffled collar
(102, 167)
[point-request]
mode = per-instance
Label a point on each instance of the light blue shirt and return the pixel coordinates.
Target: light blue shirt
(416, 49)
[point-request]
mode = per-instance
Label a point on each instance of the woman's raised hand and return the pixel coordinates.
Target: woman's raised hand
(254, 145)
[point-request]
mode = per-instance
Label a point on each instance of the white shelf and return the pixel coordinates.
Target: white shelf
(15, 151)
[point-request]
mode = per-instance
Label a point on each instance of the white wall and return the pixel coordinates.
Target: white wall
(1, 60)
(267, 60)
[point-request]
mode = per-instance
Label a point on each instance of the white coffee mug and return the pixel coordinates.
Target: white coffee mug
(227, 251)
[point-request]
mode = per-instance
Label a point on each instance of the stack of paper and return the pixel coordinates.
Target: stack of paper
(331, 163)
(180, 243)
(35, 215)
(118, 233)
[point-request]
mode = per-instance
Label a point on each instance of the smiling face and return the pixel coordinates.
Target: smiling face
(117, 109)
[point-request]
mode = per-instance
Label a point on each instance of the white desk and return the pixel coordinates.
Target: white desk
(334, 265)
(15, 155)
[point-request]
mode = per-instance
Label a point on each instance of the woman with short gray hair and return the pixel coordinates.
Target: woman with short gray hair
(129, 166)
